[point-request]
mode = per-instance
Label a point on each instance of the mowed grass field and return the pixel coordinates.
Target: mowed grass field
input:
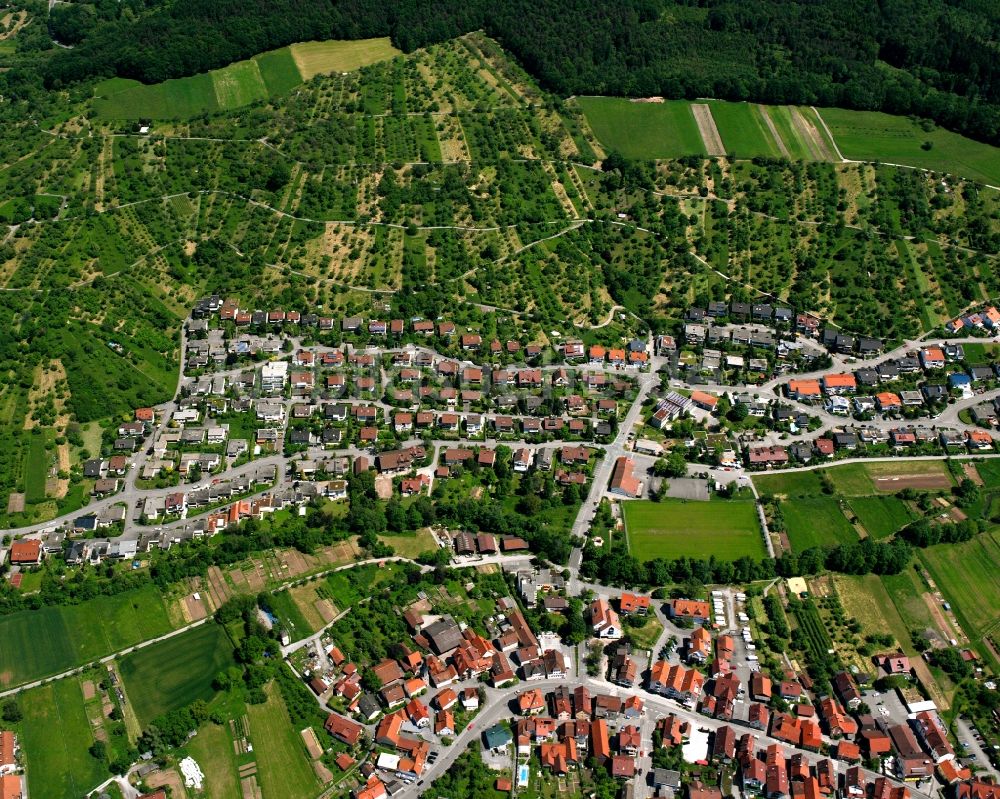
(264, 76)
(743, 130)
(816, 522)
(55, 735)
(881, 516)
(39, 643)
(675, 528)
(874, 136)
(283, 769)
(644, 130)
(212, 748)
(320, 58)
(788, 484)
(174, 673)
(968, 575)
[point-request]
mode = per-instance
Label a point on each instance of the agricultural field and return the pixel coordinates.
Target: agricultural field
(212, 749)
(321, 58)
(789, 484)
(873, 136)
(881, 516)
(282, 767)
(968, 575)
(174, 673)
(266, 76)
(40, 643)
(58, 765)
(644, 130)
(726, 529)
(816, 522)
(744, 132)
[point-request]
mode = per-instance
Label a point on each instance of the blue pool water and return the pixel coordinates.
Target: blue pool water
(522, 775)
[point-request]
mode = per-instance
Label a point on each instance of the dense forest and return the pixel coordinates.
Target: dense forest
(932, 58)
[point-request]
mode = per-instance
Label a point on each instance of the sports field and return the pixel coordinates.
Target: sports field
(675, 528)
(283, 769)
(174, 673)
(55, 735)
(881, 516)
(318, 58)
(816, 522)
(39, 643)
(873, 136)
(264, 76)
(644, 130)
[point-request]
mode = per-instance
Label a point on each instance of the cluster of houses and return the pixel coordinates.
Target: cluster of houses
(11, 774)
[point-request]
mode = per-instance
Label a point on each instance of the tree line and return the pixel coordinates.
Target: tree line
(930, 58)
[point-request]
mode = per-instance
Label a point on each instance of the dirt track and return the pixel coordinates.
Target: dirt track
(708, 129)
(923, 481)
(811, 136)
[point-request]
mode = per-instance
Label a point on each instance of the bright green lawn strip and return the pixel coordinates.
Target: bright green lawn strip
(278, 71)
(174, 673)
(743, 131)
(36, 468)
(816, 522)
(851, 480)
(873, 136)
(675, 528)
(643, 130)
(881, 516)
(55, 735)
(989, 470)
(282, 766)
(789, 484)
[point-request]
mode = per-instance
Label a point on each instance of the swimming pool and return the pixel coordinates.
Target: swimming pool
(522, 775)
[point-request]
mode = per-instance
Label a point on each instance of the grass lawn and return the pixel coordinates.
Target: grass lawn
(789, 484)
(644, 130)
(282, 767)
(182, 98)
(743, 130)
(174, 673)
(968, 574)
(851, 480)
(36, 468)
(212, 748)
(873, 136)
(38, 643)
(907, 589)
(238, 84)
(409, 546)
(318, 58)
(55, 734)
(989, 470)
(816, 522)
(646, 636)
(881, 516)
(279, 71)
(673, 528)
(290, 616)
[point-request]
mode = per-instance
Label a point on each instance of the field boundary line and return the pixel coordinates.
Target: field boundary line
(829, 133)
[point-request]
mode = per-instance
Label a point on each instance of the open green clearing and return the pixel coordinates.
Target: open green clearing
(55, 735)
(881, 516)
(318, 58)
(743, 130)
(851, 480)
(968, 575)
(174, 673)
(644, 130)
(238, 84)
(38, 643)
(816, 522)
(282, 767)
(789, 484)
(727, 529)
(213, 749)
(874, 136)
